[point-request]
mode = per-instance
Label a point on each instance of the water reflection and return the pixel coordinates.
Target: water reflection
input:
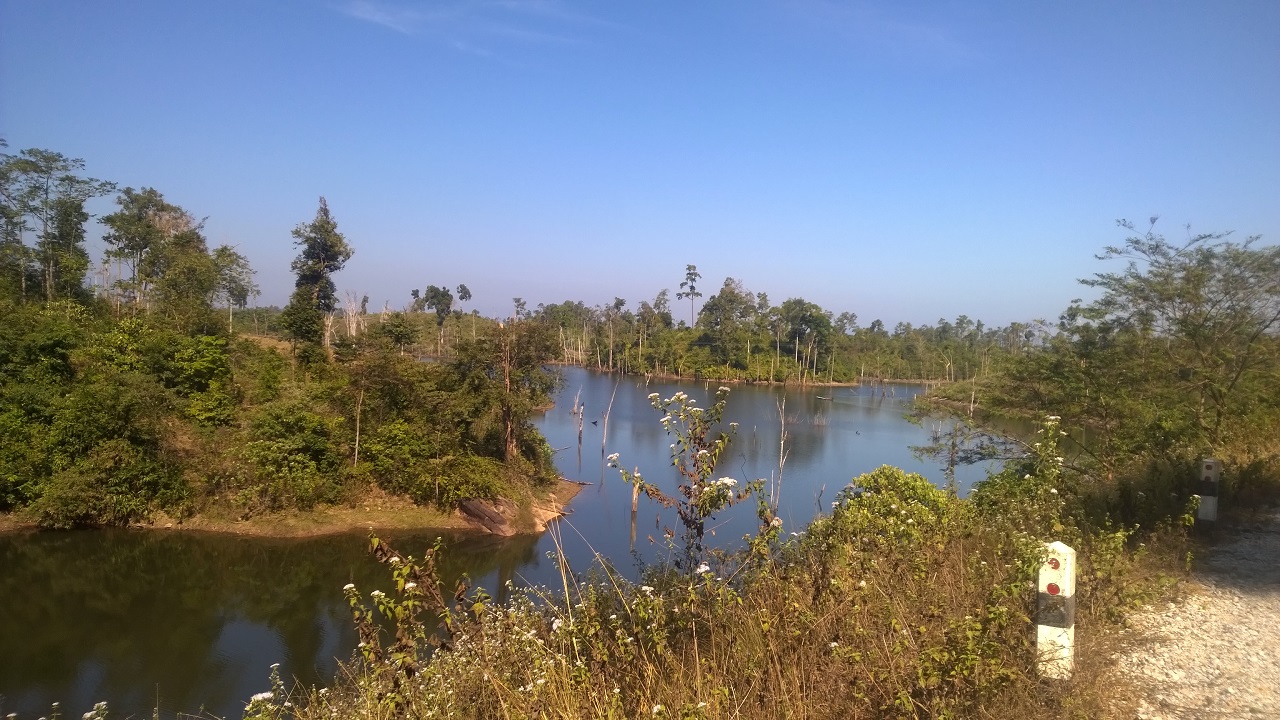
(196, 619)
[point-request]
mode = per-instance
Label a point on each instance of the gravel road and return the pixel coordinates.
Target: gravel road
(1216, 653)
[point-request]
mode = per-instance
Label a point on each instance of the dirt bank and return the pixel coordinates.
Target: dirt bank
(379, 512)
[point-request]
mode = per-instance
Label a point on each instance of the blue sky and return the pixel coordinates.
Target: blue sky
(901, 160)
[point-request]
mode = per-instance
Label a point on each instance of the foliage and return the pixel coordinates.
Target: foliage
(1178, 359)
(323, 252)
(294, 457)
(503, 375)
(41, 192)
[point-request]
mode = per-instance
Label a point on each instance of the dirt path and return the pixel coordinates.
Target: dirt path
(1216, 653)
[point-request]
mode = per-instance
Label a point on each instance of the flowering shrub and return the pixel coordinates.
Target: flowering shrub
(695, 452)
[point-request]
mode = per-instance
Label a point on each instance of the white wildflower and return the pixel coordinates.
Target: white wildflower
(703, 568)
(613, 458)
(657, 709)
(653, 395)
(646, 589)
(776, 522)
(834, 645)
(556, 624)
(349, 586)
(261, 697)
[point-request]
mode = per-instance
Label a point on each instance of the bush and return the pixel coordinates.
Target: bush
(292, 450)
(115, 484)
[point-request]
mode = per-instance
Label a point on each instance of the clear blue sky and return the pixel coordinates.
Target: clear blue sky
(901, 160)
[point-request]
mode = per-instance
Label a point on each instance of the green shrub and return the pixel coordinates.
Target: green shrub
(294, 456)
(115, 484)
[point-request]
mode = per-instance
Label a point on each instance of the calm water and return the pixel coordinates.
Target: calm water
(196, 620)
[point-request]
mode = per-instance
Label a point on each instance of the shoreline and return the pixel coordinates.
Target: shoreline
(379, 513)
(870, 382)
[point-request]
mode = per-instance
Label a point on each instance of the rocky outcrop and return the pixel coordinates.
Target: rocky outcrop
(506, 518)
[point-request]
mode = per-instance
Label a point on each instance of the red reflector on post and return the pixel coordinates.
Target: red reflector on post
(1053, 563)
(1053, 589)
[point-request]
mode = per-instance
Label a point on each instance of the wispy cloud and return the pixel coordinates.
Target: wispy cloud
(476, 26)
(396, 17)
(885, 28)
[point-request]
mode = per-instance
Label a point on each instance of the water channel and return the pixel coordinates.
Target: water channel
(191, 622)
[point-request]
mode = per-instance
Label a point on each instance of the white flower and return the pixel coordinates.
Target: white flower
(261, 697)
(349, 586)
(703, 568)
(862, 583)
(733, 426)
(722, 388)
(646, 589)
(1053, 490)
(613, 458)
(665, 419)
(657, 709)
(776, 522)
(834, 645)
(410, 585)
(556, 624)
(377, 594)
(653, 395)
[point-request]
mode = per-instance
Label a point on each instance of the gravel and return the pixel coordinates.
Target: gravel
(1216, 653)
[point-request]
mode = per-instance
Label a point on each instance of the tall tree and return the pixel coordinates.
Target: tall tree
(505, 371)
(186, 282)
(235, 279)
(440, 300)
(324, 251)
(138, 234)
(44, 187)
(728, 317)
(689, 289)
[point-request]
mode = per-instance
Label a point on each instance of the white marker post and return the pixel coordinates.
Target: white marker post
(1210, 474)
(1056, 612)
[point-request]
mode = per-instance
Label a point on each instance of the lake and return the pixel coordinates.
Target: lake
(191, 622)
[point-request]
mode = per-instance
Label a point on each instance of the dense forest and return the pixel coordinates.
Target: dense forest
(126, 389)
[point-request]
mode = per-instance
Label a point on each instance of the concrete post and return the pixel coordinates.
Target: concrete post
(1210, 474)
(1056, 612)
